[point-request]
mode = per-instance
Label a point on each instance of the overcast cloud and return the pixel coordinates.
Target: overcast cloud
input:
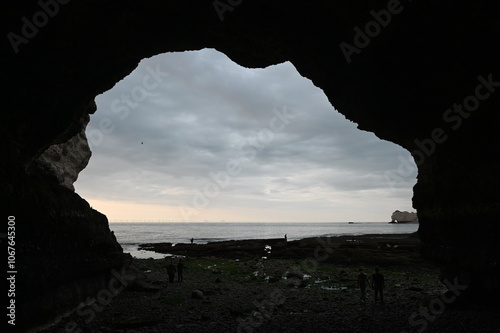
(194, 136)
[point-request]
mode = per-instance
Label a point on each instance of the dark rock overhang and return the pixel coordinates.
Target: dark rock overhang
(423, 75)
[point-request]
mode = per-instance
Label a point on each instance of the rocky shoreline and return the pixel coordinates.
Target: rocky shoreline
(307, 285)
(280, 248)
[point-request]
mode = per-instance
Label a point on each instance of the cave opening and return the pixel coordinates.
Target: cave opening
(399, 86)
(194, 137)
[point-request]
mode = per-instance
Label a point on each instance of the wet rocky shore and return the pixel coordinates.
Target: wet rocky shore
(368, 247)
(308, 285)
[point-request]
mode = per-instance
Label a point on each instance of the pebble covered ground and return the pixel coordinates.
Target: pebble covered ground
(275, 295)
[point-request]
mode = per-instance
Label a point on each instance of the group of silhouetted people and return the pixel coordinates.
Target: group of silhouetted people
(172, 269)
(376, 283)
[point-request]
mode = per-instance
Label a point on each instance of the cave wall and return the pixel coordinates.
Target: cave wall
(63, 161)
(399, 82)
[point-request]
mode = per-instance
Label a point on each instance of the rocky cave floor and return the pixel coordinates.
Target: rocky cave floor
(254, 295)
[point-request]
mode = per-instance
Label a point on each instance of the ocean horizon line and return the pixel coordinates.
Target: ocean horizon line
(268, 222)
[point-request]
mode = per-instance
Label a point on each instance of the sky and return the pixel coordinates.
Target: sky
(193, 136)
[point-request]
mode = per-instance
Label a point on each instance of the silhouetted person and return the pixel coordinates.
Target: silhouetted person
(286, 239)
(171, 271)
(378, 285)
(180, 267)
(192, 240)
(362, 283)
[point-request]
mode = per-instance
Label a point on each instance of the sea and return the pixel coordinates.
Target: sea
(130, 235)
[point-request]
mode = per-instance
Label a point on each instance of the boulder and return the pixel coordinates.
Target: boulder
(197, 294)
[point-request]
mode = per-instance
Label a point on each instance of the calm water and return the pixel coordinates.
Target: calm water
(130, 235)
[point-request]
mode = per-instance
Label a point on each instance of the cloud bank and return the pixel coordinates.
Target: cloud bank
(193, 136)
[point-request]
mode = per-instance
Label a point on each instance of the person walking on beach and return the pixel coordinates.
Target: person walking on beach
(378, 285)
(180, 268)
(362, 283)
(192, 240)
(171, 271)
